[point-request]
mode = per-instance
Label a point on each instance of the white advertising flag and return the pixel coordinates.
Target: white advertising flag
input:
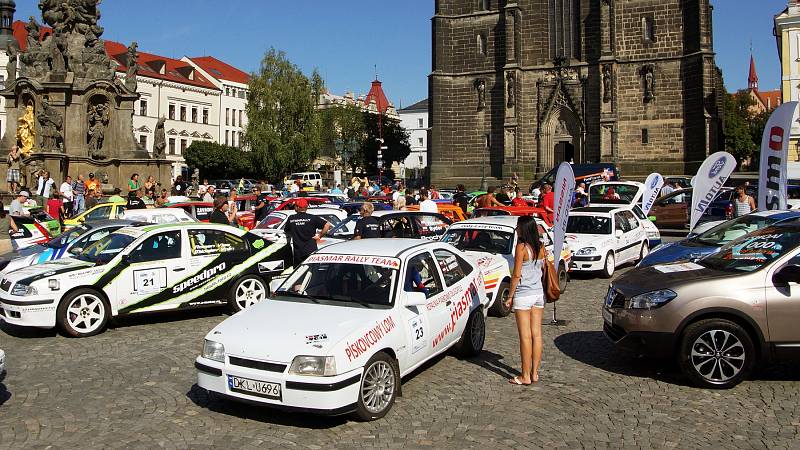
(652, 187)
(774, 155)
(563, 190)
(711, 177)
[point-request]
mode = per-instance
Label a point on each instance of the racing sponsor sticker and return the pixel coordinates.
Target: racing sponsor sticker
(681, 267)
(417, 334)
(374, 335)
(199, 278)
(478, 226)
(380, 261)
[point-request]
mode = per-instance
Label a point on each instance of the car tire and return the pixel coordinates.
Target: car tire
(378, 389)
(563, 277)
(644, 251)
(246, 292)
(499, 308)
(716, 353)
(83, 313)
(609, 265)
(474, 335)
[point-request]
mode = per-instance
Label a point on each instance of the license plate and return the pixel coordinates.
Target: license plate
(608, 317)
(254, 387)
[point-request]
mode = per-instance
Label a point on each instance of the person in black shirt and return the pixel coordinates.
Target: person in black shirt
(261, 207)
(135, 200)
(301, 230)
(503, 197)
(461, 199)
(367, 226)
(221, 212)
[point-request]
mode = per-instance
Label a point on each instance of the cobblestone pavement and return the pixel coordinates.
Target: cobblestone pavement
(134, 387)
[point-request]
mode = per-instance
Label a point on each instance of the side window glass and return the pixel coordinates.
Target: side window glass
(214, 242)
(397, 227)
(453, 268)
(422, 276)
(159, 247)
(632, 222)
(430, 227)
(620, 223)
(100, 213)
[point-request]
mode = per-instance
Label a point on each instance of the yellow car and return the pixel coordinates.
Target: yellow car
(101, 211)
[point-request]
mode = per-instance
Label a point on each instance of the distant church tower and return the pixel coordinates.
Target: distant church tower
(7, 10)
(752, 79)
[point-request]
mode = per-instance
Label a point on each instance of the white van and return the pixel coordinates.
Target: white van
(309, 179)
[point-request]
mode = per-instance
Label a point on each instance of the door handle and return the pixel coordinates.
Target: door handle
(448, 303)
(179, 269)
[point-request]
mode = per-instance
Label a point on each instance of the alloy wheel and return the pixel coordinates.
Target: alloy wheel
(250, 292)
(85, 313)
(378, 387)
(478, 332)
(718, 356)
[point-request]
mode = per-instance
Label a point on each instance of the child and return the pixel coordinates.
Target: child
(55, 207)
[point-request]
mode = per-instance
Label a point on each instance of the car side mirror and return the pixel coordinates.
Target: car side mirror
(787, 274)
(82, 220)
(126, 259)
(618, 234)
(76, 250)
(416, 299)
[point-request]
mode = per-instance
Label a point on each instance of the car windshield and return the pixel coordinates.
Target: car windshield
(345, 228)
(620, 194)
(68, 237)
(589, 225)
(104, 250)
(733, 229)
(349, 284)
(754, 251)
(492, 241)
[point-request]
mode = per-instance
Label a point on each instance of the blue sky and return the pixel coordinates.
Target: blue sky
(345, 39)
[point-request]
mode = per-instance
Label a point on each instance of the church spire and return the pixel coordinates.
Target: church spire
(752, 80)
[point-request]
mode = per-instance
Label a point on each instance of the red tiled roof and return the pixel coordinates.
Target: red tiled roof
(221, 70)
(147, 61)
(376, 93)
(770, 99)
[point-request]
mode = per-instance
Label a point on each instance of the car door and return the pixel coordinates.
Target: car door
(463, 294)
(634, 236)
(208, 248)
(783, 306)
(153, 265)
(423, 323)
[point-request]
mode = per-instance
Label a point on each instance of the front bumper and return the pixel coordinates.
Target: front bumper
(588, 263)
(36, 311)
(633, 331)
(323, 395)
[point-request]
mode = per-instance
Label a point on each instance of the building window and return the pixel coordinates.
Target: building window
(421, 123)
(228, 91)
(241, 116)
(171, 146)
(421, 142)
(233, 139)
(183, 113)
(143, 141)
(183, 146)
(242, 93)
(194, 115)
(143, 108)
(171, 111)
(227, 139)
(645, 136)
(482, 44)
(483, 5)
(227, 116)
(487, 140)
(233, 117)
(648, 30)
(241, 138)
(563, 21)
(205, 116)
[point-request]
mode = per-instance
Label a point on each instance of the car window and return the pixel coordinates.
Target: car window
(637, 211)
(158, 247)
(589, 225)
(454, 269)
(271, 222)
(544, 236)
(99, 213)
(422, 276)
(493, 241)
(429, 226)
(214, 242)
(632, 222)
(202, 213)
(397, 227)
(620, 223)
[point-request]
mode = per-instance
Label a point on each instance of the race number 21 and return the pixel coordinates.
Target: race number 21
(149, 280)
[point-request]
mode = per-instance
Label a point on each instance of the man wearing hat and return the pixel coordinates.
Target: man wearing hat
(301, 230)
(16, 208)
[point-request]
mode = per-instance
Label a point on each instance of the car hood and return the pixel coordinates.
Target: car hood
(675, 276)
(677, 251)
(24, 252)
(579, 241)
(278, 330)
(34, 273)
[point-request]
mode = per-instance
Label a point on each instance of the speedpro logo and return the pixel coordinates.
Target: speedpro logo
(199, 278)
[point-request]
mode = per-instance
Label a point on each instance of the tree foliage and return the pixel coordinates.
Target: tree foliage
(346, 124)
(283, 130)
(217, 161)
(744, 126)
(395, 137)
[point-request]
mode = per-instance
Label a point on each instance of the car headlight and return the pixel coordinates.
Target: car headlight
(586, 251)
(651, 300)
(313, 366)
(213, 351)
(23, 290)
(653, 234)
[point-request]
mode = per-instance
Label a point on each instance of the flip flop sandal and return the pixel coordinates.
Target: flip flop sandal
(515, 381)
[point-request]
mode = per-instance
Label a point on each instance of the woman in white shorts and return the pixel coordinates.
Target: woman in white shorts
(528, 298)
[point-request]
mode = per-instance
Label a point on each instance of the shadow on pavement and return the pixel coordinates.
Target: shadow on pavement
(26, 332)
(219, 404)
(493, 362)
(149, 318)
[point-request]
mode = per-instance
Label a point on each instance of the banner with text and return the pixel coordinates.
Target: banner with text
(710, 179)
(563, 190)
(774, 157)
(652, 187)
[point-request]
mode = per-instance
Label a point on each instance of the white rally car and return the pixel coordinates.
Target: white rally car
(142, 269)
(605, 237)
(625, 193)
(343, 329)
(492, 240)
(272, 227)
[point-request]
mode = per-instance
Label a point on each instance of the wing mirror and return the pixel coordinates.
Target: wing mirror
(126, 259)
(618, 234)
(416, 299)
(787, 274)
(76, 250)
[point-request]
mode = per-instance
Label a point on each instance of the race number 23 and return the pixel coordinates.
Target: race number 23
(149, 280)
(417, 334)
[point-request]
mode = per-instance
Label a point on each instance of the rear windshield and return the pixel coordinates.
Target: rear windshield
(589, 225)
(620, 194)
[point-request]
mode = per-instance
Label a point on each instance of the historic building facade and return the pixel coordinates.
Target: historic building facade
(787, 37)
(416, 121)
(531, 83)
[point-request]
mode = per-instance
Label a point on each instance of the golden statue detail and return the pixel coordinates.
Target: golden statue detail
(26, 131)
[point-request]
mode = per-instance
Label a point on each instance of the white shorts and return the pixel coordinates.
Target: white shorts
(528, 302)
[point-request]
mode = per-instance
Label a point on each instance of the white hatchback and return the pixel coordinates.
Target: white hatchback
(343, 329)
(605, 237)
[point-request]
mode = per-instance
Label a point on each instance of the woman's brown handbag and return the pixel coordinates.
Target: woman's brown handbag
(552, 292)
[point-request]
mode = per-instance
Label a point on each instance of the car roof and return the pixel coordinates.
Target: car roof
(94, 224)
(391, 247)
(627, 183)
(781, 214)
(508, 221)
(597, 209)
(191, 225)
(391, 212)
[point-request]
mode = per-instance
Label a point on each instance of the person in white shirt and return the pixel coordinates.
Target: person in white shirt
(202, 189)
(295, 187)
(67, 194)
(16, 208)
(44, 186)
(426, 204)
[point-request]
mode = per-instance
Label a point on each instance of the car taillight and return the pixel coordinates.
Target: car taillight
(729, 211)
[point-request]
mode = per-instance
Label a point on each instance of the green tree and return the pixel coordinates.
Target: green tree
(216, 161)
(395, 137)
(283, 130)
(744, 127)
(345, 124)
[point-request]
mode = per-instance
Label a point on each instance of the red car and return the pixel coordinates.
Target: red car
(202, 212)
(290, 202)
(534, 211)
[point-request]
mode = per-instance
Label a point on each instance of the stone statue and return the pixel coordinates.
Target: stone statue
(160, 144)
(98, 121)
(58, 62)
(133, 67)
(67, 16)
(33, 34)
(26, 131)
(510, 82)
(648, 74)
(480, 87)
(11, 65)
(50, 124)
(606, 83)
